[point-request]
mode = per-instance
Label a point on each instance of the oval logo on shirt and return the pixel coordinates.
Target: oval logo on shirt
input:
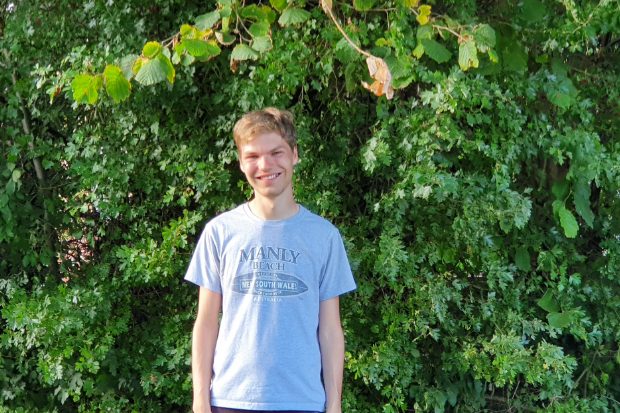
(269, 284)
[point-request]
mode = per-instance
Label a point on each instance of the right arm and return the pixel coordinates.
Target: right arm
(204, 337)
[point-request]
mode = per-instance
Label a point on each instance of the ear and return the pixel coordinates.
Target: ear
(295, 156)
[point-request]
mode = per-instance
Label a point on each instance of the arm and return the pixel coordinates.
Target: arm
(331, 340)
(204, 338)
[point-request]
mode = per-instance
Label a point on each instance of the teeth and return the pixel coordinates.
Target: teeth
(273, 176)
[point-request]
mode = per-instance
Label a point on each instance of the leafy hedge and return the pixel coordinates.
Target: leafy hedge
(479, 205)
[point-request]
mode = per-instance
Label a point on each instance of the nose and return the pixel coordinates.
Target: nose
(264, 162)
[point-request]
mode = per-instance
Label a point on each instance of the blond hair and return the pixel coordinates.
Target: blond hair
(264, 121)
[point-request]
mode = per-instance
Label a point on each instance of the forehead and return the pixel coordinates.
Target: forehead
(265, 141)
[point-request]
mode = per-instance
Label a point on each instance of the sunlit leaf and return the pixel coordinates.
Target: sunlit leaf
(468, 55)
(117, 86)
(262, 44)
(293, 15)
(243, 52)
(86, 88)
(151, 49)
(380, 72)
(208, 20)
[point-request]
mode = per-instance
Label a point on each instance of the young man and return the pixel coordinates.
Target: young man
(275, 271)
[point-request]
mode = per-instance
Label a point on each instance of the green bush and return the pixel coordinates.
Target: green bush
(479, 206)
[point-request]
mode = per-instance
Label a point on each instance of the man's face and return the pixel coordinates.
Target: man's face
(267, 162)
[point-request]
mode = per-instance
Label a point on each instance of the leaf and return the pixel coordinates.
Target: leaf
(468, 55)
(410, 3)
(568, 222)
(514, 57)
(208, 20)
(548, 302)
(243, 52)
(259, 29)
(117, 86)
(155, 71)
(258, 13)
(151, 49)
(418, 52)
(560, 189)
(424, 32)
(225, 38)
(382, 76)
(126, 64)
(581, 198)
(200, 48)
(424, 14)
(262, 44)
(279, 5)
(522, 259)
(363, 5)
(485, 37)
(436, 50)
(532, 11)
(559, 320)
(86, 88)
(293, 15)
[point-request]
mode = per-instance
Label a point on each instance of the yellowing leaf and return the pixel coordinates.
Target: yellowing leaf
(424, 14)
(382, 76)
(468, 55)
(151, 49)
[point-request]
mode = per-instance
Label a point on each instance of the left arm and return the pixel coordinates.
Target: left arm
(331, 340)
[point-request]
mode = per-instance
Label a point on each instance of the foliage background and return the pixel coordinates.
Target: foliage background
(480, 208)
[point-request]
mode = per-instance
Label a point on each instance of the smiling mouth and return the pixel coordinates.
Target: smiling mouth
(270, 177)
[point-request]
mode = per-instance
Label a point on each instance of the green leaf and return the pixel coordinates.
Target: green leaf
(549, 303)
(243, 52)
(258, 13)
(293, 15)
(581, 198)
(117, 86)
(262, 44)
(485, 37)
(418, 52)
(225, 38)
(436, 50)
(559, 320)
(560, 189)
(568, 222)
(424, 32)
(259, 29)
(208, 20)
(279, 5)
(155, 71)
(86, 88)
(514, 57)
(522, 259)
(127, 63)
(468, 55)
(532, 11)
(363, 5)
(199, 48)
(151, 49)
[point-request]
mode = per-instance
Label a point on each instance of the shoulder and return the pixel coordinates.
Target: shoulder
(318, 223)
(223, 221)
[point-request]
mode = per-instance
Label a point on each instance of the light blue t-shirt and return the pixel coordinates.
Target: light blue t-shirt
(272, 276)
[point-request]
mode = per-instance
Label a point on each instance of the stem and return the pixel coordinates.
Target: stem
(38, 168)
(330, 13)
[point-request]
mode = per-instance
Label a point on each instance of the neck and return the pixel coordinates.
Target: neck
(273, 209)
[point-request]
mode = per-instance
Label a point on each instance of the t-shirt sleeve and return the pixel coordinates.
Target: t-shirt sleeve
(337, 277)
(204, 268)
